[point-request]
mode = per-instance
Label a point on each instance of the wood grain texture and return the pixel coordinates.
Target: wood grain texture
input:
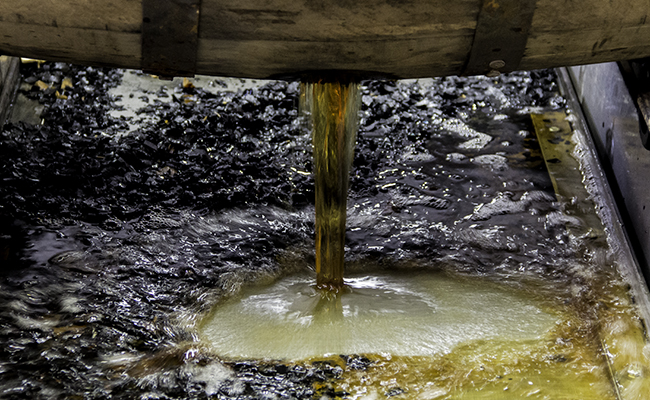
(79, 45)
(9, 80)
(266, 38)
(335, 20)
(111, 15)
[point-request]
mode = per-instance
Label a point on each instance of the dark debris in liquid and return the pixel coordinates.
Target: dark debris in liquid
(107, 242)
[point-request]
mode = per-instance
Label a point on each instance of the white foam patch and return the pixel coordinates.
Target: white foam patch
(503, 204)
(477, 140)
(494, 162)
(456, 157)
(70, 304)
(212, 376)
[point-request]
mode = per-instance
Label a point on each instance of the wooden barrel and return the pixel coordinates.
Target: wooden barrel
(283, 38)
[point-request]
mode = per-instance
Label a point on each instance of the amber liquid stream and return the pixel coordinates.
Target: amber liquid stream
(334, 108)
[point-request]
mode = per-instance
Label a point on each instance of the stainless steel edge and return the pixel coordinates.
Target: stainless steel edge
(602, 195)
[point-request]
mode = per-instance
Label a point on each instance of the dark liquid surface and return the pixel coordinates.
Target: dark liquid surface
(119, 236)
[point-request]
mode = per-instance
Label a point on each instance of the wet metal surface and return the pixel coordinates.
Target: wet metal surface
(614, 119)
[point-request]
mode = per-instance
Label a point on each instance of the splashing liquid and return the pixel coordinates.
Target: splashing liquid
(334, 107)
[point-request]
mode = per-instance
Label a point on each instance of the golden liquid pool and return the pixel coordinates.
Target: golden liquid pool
(426, 335)
(415, 314)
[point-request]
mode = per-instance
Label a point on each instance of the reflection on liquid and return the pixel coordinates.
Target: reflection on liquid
(415, 314)
(448, 177)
